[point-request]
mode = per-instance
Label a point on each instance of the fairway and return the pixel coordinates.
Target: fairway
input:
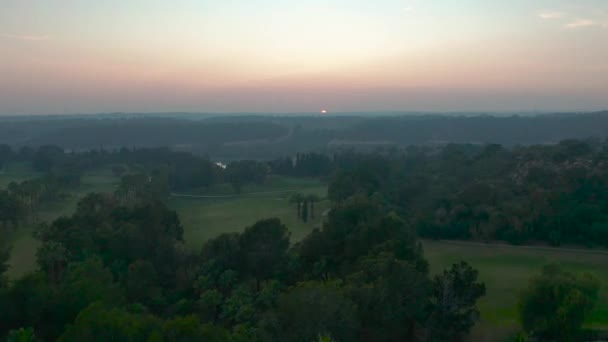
(507, 269)
(219, 210)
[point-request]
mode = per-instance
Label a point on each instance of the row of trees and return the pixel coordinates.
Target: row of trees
(19, 203)
(303, 165)
(305, 205)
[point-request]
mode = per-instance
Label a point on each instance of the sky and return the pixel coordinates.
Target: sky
(85, 56)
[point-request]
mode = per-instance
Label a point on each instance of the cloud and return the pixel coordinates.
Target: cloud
(582, 23)
(408, 9)
(547, 15)
(24, 36)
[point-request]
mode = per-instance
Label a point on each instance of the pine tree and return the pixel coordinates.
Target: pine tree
(305, 211)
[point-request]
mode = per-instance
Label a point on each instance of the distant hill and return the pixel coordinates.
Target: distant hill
(268, 136)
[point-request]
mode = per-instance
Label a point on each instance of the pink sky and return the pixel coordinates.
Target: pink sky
(268, 56)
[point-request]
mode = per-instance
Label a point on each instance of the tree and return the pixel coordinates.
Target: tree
(454, 296)
(310, 309)
(6, 154)
(10, 210)
(264, 248)
(325, 338)
(556, 303)
(21, 335)
(312, 199)
(305, 211)
(142, 283)
(100, 323)
(30, 302)
(46, 157)
(223, 251)
(84, 283)
(391, 296)
(53, 258)
(5, 254)
(297, 198)
(189, 328)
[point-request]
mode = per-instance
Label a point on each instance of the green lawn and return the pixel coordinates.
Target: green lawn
(205, 218)
(507, 269)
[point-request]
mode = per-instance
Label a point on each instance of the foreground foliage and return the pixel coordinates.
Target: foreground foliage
(120, 271)
(555, 304)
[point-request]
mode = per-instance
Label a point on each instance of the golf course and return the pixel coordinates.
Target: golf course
(206, 213)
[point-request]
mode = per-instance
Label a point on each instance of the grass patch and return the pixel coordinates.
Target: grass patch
(205, 218)
(506, 270)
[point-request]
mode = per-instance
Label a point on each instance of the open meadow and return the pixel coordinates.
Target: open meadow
(206, 214)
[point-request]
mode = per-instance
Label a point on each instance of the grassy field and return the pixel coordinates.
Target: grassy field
(207, 217)
(507, 269)
(203, 218)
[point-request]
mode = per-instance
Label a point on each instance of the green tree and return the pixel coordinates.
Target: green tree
(5, 254)
(453, 299)
(391, 296)
(312, 199)
(264, 249)
(52, 258)
(312, 308)
(223, 251)
(189, 328)
(305, 211)
(21, 335)
(556, 303)
(142, 283)
(27, 302)
(99, 323)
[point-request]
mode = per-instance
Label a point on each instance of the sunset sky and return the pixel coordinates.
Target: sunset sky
(84, 56)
